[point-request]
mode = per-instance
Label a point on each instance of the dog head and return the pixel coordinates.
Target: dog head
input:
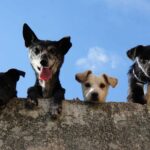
(141, 54)
(46, 57)
(8, 82)
(14, 74)
(95, 88)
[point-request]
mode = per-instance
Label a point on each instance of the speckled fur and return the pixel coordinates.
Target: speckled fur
(53, 52)
(139, 74)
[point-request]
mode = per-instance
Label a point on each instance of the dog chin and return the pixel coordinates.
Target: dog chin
(91, 100)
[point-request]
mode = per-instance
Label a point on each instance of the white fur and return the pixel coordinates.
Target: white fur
(35, 61)
(89, 92)
(42, 83)
(140, 66)
(137, 78)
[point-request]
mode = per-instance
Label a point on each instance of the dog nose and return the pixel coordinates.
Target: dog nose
(94, 96)
(44, 63)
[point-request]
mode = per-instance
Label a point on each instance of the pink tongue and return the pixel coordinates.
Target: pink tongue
(45, 73)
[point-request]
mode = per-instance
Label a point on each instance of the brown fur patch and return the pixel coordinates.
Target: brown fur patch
(110, 80)
(82, 77)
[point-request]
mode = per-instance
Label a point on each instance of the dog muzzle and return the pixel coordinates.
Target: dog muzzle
(45, 74)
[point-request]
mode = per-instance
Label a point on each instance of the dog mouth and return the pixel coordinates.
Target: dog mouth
(45, 73)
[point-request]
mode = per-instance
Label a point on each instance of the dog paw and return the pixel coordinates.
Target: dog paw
(76, 99)
(55, 111)
(31, 104)
(139, 100)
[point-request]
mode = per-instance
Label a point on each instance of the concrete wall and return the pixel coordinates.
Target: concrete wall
(109, 126)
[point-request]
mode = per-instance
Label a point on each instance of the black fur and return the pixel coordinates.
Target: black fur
(51, 51)
(139, 73)
(8, 81)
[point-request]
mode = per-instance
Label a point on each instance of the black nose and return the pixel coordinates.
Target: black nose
(94, 96)
(44, 63)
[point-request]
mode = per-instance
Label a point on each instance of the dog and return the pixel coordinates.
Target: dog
(139, 74)
(8, 81)
(95, 88)
(46, 58)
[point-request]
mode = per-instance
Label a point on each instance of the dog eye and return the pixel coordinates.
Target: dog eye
(87, 85)
(102, 85)
(37, 51)
(52, 51)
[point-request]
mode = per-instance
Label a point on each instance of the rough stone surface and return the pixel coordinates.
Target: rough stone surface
(81, 126)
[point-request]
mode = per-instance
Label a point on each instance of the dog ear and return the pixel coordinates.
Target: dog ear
(110, 80)
(82, 77)
(21, 73)
(65, 44)
(28, 35)
(133, 53)
(15, 74)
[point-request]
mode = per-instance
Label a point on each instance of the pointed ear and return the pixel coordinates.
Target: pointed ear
(110, 80)
(82, 77)
(64, 45)
(134, 52)
(28, 35)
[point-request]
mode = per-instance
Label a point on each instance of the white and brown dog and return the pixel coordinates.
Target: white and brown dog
(95, 88)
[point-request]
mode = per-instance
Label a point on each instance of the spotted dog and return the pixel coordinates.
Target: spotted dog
(46, 58)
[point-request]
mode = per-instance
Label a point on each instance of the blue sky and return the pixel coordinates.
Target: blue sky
(101, 32)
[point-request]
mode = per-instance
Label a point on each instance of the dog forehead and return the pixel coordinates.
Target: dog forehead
(145, 53)
(96, 79)
(45, 44)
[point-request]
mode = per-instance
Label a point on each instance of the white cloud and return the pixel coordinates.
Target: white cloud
(97, 54)
(96, 58)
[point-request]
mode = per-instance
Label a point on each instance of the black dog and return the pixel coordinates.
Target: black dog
(139, 74)
(8, 81)
(46, 58)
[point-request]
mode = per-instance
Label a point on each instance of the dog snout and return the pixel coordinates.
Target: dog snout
(44, 63)
(94, 96)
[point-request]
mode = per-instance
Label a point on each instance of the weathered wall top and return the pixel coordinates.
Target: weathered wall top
(109, 126)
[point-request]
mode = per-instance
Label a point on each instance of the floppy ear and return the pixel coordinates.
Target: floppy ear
(132, 53)
(28, 35)
(82, 77)
(64, 45)
(110, 80)
(21, 73)
(15, 74)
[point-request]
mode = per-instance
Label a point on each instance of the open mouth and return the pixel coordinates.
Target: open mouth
(45, 73)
